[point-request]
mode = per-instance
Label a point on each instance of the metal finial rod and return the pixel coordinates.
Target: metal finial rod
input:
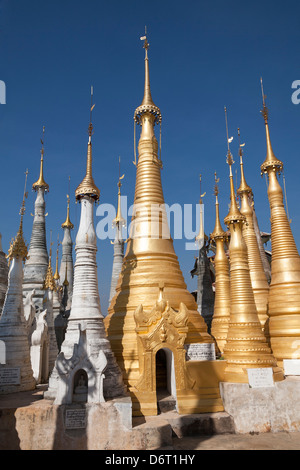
(225, 110)
(262, 92)
(216, 187)
(51, 243)
(42, 141)
(229, 156)
(90, 130)
(146, 44)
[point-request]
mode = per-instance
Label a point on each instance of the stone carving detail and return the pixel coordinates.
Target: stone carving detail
(92, 364)
(162, 327)
(39, 350)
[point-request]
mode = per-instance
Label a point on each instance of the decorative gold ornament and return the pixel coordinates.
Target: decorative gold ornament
(49, 280)
(284, 294)
(67, 223)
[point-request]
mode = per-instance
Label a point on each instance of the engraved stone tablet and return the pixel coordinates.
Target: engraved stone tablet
(10, 376)
(261, 377)
(291, 366)
(75, 418)
(200, 352)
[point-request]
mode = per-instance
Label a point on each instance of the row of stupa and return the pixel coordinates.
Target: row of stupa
(255, 324)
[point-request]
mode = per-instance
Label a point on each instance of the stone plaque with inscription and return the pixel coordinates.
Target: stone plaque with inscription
(200, 352)
(260, 377)
(75, 418)
(10, 376)
(291, 366)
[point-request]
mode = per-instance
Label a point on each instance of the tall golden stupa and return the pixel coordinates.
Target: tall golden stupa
(220, 321)
(284, 295)
(246, 346)
(152, 308)
(258, 277)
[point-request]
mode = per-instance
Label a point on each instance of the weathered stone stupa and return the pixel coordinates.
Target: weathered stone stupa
(118, 244)
(16, 373)
(37, 263)
(85, 340)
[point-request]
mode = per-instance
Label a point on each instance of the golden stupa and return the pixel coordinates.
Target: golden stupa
(258, 277)
(152, 308)
(246, 346)
(220, 321)
(284, 294)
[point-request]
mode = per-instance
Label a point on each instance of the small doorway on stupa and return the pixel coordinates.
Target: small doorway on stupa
(80, 388)
(44, 363)
(165, 380)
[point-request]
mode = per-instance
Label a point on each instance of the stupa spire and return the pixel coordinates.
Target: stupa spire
(56, 274)
(234, 214)
(13, 327)
(85, 315)
(118, 242)
(201, 237)
(41, 183)
(284, 294)
(67, 247)
(37, 263)
(87, 187)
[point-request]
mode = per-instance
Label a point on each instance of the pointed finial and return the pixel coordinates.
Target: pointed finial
(264, 111)
(201, 237)
(90, 129)
(18, 248)
(49, 280)
(271, 162)
(244, 187)
(87, 187)
(216, 187)
(234, 214)
(146, 44)
(56, 274)
(66, 282)
(218, 230)
(229, 158)
(67, 223)
(147, 103)
(201, 195)
(40, 183)
(119, 221)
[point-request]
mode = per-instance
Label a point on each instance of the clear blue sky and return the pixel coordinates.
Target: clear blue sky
(203, 55)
